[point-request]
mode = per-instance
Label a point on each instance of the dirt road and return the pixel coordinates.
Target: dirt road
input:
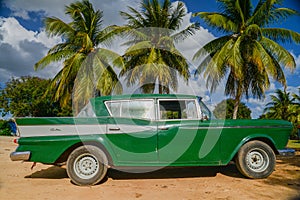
(18, 181)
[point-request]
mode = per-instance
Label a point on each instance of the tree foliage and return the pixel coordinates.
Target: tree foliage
(4, 128)
(25, 97)
(285, 106)
(81, 55)
(224, 110)
(248, 55)
(152, 57)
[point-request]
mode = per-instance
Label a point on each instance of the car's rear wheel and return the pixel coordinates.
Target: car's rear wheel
(87, 165)
(256, 159)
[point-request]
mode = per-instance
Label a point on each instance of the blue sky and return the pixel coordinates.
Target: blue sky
(23, 40)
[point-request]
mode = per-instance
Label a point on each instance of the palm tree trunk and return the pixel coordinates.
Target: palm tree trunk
(237, 101)
(160, 88)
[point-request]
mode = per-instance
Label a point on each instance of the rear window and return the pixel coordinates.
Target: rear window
(140, 109)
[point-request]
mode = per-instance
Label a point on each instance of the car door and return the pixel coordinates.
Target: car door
(132, 131)
(183, 138)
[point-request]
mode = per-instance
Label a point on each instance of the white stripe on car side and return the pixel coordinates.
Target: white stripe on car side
(75, 129)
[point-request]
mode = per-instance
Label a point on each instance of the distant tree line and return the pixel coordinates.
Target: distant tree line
(26, 97)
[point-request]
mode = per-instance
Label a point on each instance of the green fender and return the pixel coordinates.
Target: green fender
(50, 149)
(261, 137)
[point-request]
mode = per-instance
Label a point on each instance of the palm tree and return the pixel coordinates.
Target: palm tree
(152, 56)
(281, 106)
(248, 54)
(284, 106)
(80, 52)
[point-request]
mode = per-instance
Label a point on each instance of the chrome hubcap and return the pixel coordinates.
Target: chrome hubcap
(257, 160)
(86, 166)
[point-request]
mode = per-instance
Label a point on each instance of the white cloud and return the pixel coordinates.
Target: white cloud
(14, 33)
(21, 49)
(22, 8)
(21, 13)
(56, 8)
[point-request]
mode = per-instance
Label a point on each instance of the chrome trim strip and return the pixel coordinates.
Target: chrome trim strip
(231, 127)
(20, 156)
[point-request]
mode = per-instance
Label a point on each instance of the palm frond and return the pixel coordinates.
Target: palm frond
(228, 8)
(176, 17)
(216, 68)
(211, 47)
(281, 54)
(235, 59)
(187, 32)
(219, 21)
(280, 14)
(133, 21)
(281, 34)
(53, 57)
(246, 8)
(57, 27)
(262, 13)
(116, 59)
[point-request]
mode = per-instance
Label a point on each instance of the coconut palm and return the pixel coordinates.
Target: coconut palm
(80, 52)
(284, 106)
(248, 54)
(281, 106)
(152, 57)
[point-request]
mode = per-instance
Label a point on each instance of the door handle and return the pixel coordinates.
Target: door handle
(55, 129)
(114, 129)
(163, 128)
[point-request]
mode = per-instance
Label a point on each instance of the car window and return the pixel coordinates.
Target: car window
(178, 109)
(140, 109)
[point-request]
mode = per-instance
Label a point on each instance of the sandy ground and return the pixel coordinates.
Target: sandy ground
(18, 181)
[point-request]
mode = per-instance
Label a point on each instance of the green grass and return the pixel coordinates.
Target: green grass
(294, 144)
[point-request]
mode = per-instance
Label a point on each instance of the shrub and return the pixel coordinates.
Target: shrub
(4, 128)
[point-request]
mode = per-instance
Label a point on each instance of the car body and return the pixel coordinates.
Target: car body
(154, 130)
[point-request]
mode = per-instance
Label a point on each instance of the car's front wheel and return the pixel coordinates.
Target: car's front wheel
(87, 165)
(256, 159)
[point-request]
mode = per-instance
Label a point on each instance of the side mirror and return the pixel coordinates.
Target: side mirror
(204, 117)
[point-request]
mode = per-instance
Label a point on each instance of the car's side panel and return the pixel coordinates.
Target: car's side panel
(132, 140)
(234, 136)
(47, 149)
(188, 142)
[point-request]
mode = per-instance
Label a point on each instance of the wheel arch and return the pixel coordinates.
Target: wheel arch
(263, 138)
(64, 156)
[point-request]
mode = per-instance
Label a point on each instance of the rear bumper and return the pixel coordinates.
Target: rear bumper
(20, 156)
(286, 152)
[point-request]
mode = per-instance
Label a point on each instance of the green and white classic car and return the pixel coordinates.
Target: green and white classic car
(149, 130)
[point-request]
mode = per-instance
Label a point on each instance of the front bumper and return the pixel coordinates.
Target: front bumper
(20, 156)
(286, 152)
